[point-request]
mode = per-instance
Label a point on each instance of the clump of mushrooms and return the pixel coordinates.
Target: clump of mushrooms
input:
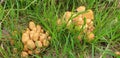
(85, 20)
(34, 40)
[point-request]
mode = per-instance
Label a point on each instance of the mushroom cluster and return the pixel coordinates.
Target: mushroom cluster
(81, 19)
(35, 39)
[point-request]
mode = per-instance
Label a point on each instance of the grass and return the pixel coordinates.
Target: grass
(15, 15)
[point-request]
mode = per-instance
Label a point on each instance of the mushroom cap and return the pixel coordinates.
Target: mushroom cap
(24, 54)
(88, 15)
(32, 34)
(42, 37)
(30, 52)
(38, 27)
(67, 16)
(31, 25)
(59, 22)
(38, 44)
(117, 53)
(90, 36)
(25, 47)
(37, 51)
(35, 36)
(30, 44)
(25, 37)
(45, 43)
(81, 9)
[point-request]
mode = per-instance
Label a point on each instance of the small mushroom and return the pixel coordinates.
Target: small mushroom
(38, 44)
(117, 53)
(49, 37)
(25, 47)
(37, 51)
(32, 34)
(41, 39)
(45, 43)
(27, 31)
(30, 52)
(67, 16)
(59, 22)
(15, 50)
(24, 54)
(88, 15)
(88, 21)
(38, 28)
(47, 33)
(35, 36)
(25, 38)
(43, 36)
(34, 29)
(79, 38)
(42, 31)
(81, 9)
(90, 36)
(30, 44)
(31, 25)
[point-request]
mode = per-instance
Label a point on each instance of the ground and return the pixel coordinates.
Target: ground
(15, 16)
